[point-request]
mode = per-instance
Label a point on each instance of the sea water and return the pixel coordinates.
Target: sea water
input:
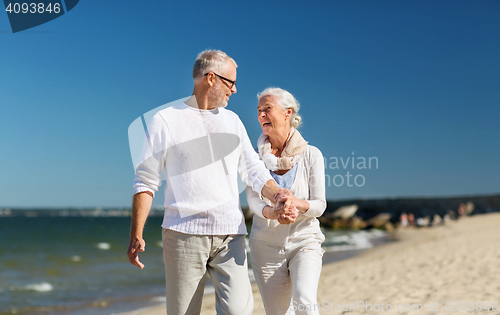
(77, 264)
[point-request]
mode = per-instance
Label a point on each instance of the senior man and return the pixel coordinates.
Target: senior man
(201, 147)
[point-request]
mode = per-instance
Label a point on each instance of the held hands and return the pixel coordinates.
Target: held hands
(287, 212)
(135, 246)
(284, 210)
(285, 194)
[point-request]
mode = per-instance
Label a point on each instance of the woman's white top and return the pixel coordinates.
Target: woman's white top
(309, 185)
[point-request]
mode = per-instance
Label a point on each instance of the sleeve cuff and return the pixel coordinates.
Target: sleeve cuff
(259, 213)
(316, 208)
(258, 184)
(143, 189)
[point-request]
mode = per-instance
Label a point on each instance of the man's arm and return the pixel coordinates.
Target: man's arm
(141, 206)
(270, 189)
(254, 173)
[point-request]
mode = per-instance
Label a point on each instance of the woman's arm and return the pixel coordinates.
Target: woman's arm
(254, 202)
(316, 180)
(316, 204)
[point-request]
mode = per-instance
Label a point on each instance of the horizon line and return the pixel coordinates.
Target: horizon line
(161, 207)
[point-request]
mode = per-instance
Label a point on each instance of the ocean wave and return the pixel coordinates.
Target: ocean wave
(159, 299)
(103, 246)
(341, 248)
(351, 241)
(38, 287)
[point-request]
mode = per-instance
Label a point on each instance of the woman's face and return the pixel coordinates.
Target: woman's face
(272, 118)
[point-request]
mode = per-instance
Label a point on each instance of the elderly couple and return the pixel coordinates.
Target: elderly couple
(201, 147)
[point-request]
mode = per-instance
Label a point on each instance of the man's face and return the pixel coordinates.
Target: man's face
(220, 92)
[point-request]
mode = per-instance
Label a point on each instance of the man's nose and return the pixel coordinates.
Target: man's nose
(233, 89)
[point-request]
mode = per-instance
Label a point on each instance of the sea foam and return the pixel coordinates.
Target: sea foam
(39, 287)
(352, 241)
(103, 246)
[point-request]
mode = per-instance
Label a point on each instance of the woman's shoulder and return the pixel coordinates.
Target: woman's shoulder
(313, 151)
(312, 156)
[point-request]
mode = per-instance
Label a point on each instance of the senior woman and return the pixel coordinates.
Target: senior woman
(286, 258)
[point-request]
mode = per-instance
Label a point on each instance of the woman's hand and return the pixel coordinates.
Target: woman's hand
(284, 211)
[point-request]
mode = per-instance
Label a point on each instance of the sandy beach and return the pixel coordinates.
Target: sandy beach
(453, 268)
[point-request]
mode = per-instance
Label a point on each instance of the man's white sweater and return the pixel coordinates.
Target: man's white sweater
(200, 152)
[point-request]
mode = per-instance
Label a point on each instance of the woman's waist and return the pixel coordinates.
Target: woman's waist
(273, 231)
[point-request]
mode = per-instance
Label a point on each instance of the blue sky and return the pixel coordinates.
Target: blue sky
(413, 83)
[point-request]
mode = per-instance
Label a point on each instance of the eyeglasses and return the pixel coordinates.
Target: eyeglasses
(232, 83)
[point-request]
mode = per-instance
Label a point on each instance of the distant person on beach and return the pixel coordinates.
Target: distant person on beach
(201, 147)
(411, 219)
(404, 219)
(287, 259)
(462, 210)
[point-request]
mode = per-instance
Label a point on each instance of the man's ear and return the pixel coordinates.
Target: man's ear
(210, 79)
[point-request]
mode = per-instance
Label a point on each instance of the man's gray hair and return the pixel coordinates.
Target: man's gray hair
(285, 100)
(211, 60)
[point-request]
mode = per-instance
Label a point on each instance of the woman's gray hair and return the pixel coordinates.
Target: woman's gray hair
(211, 60)
(285, 100)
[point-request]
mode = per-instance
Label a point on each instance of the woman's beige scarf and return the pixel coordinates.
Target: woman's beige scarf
(294, 147)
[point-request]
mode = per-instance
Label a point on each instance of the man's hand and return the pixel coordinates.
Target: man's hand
(284, 194)
(136, 245)
(140, 209)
